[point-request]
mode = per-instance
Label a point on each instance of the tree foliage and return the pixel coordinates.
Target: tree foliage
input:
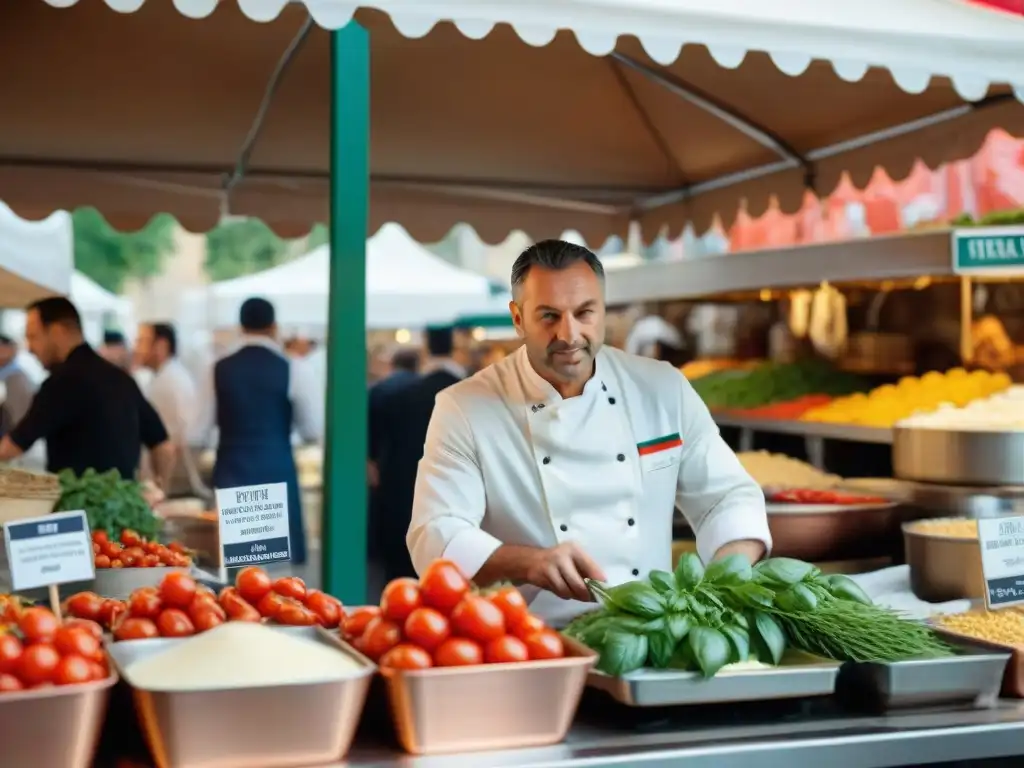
(242, 247)
(110, 257)
(318, 235)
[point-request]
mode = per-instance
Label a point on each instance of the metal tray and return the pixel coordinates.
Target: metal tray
(799, 676)
(271, 727)
(974, 677)
(53, 727)
(958, 457)
(492, 706)
(1013, 677)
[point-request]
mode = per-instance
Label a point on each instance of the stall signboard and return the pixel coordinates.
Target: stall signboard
(1002, 560)
(253, 525)
(49, 550)
(992, 251)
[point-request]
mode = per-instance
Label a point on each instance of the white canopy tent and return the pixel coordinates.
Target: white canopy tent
(406, 287)
(35, 257)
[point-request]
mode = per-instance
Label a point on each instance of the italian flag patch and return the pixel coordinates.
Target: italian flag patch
(659, 444)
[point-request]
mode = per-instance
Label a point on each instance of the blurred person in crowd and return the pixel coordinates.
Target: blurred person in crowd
(404, 365)
(90, 411)
(255, 397)
(173, 394)
(401, 420)
(19, 389)
(114, 349)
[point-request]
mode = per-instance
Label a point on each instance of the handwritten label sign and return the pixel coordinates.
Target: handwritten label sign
(55, 549)
(1002, 560)
(254, 525)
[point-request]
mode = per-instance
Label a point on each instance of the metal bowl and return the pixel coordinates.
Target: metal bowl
(958, 457)
(823, 532)
(943, 568)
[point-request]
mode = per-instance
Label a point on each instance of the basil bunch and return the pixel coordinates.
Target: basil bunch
(701, 619)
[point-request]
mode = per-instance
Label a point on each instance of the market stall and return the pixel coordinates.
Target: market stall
(491, 156)
(35, 257)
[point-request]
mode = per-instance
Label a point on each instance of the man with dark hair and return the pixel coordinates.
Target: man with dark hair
(173, 393)
(401, 419)
(18, 387)
(90, 412)
(566, 460)
(115, 349)
(256, 397)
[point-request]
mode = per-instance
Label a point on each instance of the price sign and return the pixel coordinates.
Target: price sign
(254, 525)
(43, 551)
(1002, 560)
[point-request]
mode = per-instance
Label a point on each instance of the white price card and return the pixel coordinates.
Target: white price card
(254, 525)
(55, 549)
(1002, 560)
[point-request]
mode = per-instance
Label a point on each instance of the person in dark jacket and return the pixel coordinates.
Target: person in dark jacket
(256, 397)
(401, 421)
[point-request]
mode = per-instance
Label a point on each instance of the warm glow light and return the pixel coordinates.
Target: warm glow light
(479, 334)
(402, 336)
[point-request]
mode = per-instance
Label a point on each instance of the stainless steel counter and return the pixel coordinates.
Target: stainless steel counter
(840, 741)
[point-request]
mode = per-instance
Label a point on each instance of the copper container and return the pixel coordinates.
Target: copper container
(53, 727)
(943, 568)
(492, 706)
(823, 532)
(269, 727)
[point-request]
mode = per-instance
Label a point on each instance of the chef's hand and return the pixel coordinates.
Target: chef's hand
(562, 569)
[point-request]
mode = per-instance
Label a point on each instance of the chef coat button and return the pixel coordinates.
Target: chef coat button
(621, 457)
(611, 400)
(631, 521)
(546, 460)
(533, 408)
(603, 387)
(636, 572)
(541, 405)
(563, 527)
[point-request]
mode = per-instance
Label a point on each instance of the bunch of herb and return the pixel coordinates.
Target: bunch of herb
(697, 619)
(111, 503)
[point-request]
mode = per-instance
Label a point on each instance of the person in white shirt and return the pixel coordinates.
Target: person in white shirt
(566, 460)
(172, 392)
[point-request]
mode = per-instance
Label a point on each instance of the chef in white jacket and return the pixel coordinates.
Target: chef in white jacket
(565, 460)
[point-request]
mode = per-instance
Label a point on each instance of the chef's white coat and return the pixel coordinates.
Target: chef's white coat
(507, 460)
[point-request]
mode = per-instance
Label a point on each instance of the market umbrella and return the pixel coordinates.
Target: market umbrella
(662, 112)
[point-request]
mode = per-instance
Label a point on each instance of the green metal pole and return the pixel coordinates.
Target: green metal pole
(344, 507)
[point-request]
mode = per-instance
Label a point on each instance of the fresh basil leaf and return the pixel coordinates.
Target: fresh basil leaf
(660, 647)
(729, 571)
(689, 571)
(663, 581)
(623, 652)
(739, 639)
(679, 625)
(711, 650)
(772, 635)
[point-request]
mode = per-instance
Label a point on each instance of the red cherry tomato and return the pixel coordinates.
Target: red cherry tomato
(511, 603)
(38, 664)
(405, 656)
(291, 586)
(9, 683)
(427, 628)
(546, 644)
(174, 622)
(527, 626)
(458, 652)
(380, 637)
(478, 619)
(85, 605)
(73, 670)
(355, 624)
(77, 641)
(400, 598)
(505, 650)
(38, 625)
(145, 603)
(136, 629)
(442, 585)
(252, 584)
(177, 589)
(10, 654)
(327, 609)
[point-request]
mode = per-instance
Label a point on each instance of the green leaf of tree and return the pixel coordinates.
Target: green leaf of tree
(239, 248)
(110, 257)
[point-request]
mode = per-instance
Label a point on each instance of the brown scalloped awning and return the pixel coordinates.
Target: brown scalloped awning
(146, 112)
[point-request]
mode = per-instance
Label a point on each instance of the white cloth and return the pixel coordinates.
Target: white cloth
(890, 587)
(307, 397)
(508, 461)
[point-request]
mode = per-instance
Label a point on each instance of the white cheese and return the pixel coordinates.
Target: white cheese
(240, 655)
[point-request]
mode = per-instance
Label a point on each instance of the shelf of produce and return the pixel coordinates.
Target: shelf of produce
(850, 432)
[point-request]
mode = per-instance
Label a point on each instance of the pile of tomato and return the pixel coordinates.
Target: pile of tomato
(440, 621)
(133, 551)
(180, 606)
(38, 651)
